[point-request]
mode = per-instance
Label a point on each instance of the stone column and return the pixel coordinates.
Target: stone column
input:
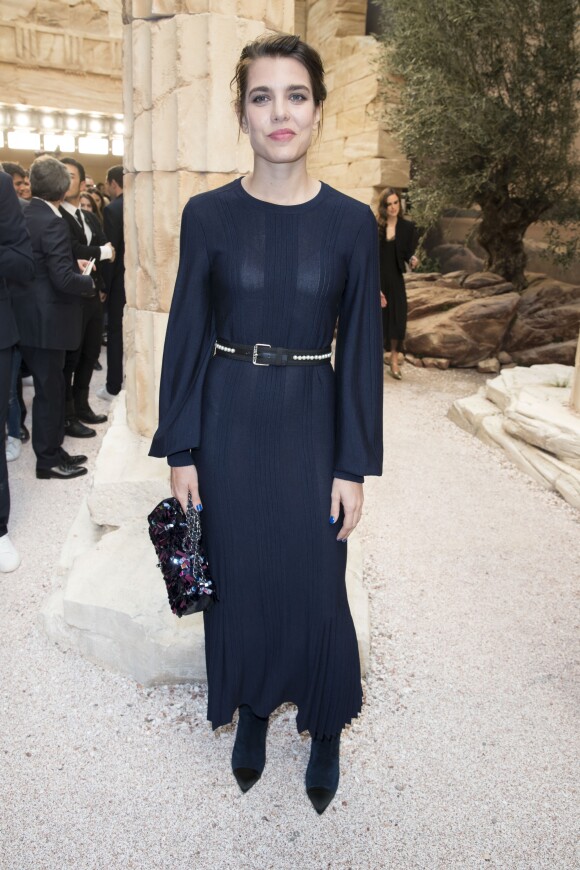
(181, 139)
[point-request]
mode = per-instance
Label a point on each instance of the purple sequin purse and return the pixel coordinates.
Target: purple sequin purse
(177, 541)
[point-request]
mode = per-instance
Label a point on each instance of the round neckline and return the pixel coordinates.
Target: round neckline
(262, 203)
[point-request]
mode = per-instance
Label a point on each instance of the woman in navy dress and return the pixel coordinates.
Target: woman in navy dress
(397, 244)
(261, 430)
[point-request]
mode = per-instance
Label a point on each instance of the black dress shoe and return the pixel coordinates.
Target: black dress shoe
(323, 772)
(97, 366)
(87, 415)
(75, 429)
(67, 459)
(24, 434)
(62, 472)
(249, 755)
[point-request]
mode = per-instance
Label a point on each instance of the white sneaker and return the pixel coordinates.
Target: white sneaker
(9, 558)
(103, 393)
(13, 448)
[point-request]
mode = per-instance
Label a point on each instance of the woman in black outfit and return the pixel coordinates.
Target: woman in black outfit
(397, 244)
(257, 424)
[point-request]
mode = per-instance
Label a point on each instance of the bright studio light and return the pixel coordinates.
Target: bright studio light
(95, 125)
(24, 141)
(117, 146)
(64, 141)
(93, 145)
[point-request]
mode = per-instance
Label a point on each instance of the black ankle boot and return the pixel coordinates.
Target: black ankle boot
(323, 772)
(249, 755)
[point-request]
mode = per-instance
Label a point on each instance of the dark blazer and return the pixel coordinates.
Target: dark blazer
(48, 309)
(406, 238)
(114, 273)
(16, 260)
(82, 250)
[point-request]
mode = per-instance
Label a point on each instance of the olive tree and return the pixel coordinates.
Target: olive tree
(487, 110)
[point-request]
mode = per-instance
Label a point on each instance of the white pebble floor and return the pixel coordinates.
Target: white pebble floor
(466, 752)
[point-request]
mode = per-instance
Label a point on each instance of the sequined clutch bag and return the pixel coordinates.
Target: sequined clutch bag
(177, 540)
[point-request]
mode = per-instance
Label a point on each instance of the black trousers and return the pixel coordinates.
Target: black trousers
(115, 306)
(46, 367)
(79, 364)
(5, 372)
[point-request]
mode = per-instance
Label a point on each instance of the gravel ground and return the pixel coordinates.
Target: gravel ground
(465, 755)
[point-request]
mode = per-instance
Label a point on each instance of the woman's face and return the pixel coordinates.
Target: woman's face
(393, 205)
(279, 114)
(86, 204)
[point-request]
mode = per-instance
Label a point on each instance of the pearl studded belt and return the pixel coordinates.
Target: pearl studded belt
(266, 355)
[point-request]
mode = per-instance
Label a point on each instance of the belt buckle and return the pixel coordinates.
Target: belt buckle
(255, 355)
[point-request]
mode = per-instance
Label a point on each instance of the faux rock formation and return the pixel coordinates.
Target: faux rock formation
(470, 319)
(527, 412)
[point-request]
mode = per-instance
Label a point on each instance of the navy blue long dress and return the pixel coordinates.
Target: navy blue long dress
(267, 441)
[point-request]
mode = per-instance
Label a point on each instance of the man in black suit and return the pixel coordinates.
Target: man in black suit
(88, 242)
(15, 261)
(49, 316)
(114, 274)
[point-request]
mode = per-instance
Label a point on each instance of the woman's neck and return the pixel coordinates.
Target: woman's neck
(282, 183)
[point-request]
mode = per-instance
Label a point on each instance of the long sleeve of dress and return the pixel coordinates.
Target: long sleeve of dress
(188, 349)
(359, 363)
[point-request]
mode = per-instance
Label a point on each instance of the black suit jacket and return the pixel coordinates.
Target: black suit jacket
(114, 273)
(406, 238)
(48, 309)
(16, 260)
(82, 250)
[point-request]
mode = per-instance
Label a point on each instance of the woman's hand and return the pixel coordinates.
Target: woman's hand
(183, 482)
(383, 300)
(350, 496)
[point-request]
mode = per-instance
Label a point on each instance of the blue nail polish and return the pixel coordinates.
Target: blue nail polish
(343, 540)
(199, 507)
(332, 520)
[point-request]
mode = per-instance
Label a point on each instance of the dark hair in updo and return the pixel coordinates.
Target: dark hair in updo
(279, 45)
(382, 217)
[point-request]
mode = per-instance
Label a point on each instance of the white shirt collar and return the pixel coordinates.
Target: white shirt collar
(49, 204)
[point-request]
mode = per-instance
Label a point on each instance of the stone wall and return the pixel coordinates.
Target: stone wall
(356, 153)
(61, 54)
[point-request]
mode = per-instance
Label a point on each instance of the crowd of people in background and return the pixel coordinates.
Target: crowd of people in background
(62, 296)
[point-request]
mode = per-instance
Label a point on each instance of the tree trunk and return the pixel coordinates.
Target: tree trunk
(575, 393)
(501, 235)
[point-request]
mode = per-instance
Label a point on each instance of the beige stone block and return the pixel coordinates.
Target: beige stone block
(165, 7)
(196, 5)
(281, 15)
(360, 93)
(351, 122)
(133, 9)
(192, 49)
(362, 145)
(163, 63)
(165, 139)
(224, 7)
(145, 334)
(327, 153)
(352, 69)
(167, 210)
(131, 239)
(256, 9)
(143, 239)
(141, 149)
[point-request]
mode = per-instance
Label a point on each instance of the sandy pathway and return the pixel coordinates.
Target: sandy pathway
(465, 755)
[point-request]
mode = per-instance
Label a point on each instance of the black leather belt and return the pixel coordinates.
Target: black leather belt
(266, 355)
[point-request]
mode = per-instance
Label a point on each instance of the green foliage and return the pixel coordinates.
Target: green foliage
(488, 105)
